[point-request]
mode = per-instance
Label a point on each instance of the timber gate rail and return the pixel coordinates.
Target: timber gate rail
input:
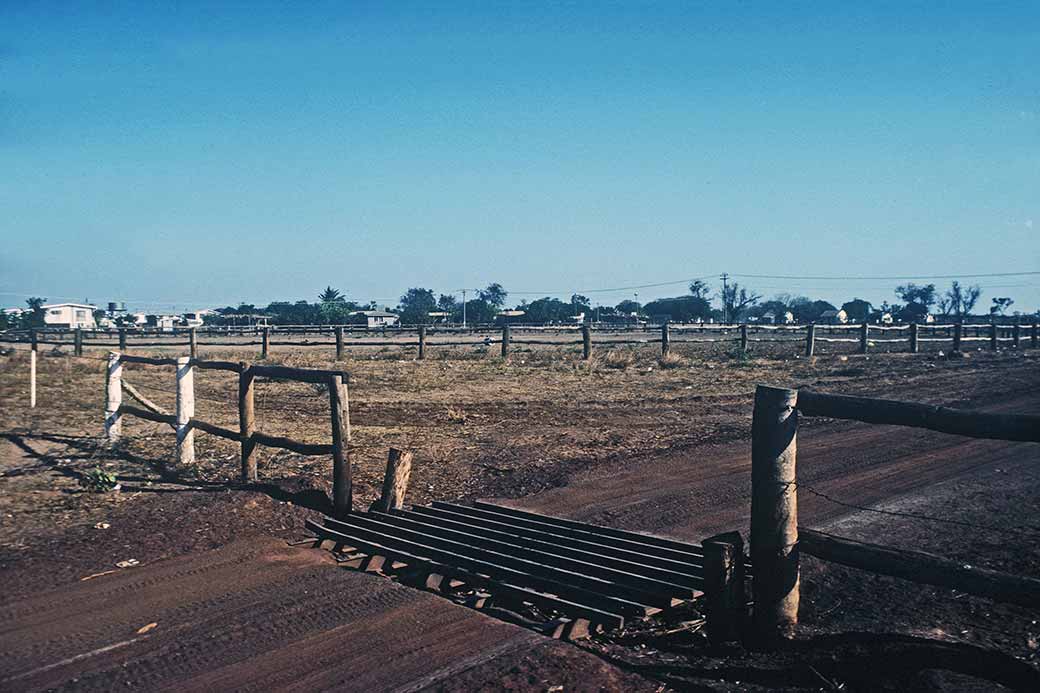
(777, 539)
(185, 424)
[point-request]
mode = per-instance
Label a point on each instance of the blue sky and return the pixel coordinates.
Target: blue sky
(178, 154)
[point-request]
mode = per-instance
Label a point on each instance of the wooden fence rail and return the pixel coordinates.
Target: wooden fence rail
(185, 424)
(777, 540)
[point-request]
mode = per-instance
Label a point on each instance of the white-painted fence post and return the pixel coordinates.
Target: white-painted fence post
(32, 379)
(113, 397)
(185, 411)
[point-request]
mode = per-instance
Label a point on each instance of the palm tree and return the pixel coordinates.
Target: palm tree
(330, 295)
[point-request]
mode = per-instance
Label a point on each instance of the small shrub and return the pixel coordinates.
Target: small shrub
(97, 480)
(741, 358)
(671, 360)
(619, 359)
(456, 415)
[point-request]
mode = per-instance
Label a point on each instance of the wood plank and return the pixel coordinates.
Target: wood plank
(494, 570)
(646, 539)
(578, 561)
(564, 536)
(528, 567)
(502, 587)
(678, 573)
(975, 424)
(919, 566)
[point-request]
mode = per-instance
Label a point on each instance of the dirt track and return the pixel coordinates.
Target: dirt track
(259, 614)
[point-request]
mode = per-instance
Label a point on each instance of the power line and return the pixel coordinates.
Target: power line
(889, 278)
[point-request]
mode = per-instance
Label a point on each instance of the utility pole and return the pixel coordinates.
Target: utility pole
(725, 305)
(464, 308)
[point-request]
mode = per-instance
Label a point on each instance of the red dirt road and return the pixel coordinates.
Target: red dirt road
(258, 614)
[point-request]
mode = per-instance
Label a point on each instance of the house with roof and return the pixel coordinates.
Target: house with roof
(378, 318)
(70, 315)
(834, 317)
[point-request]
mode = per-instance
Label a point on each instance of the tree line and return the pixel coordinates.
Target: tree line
(732, 302)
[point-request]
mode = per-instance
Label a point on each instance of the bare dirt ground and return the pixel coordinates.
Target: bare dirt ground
(626, 440)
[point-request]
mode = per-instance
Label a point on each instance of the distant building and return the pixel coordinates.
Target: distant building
(166, 323)
(379, 318)
(440, 315)
(195, 319)
(71, 315)
(885, 319)
(834, 317)
(771, 318)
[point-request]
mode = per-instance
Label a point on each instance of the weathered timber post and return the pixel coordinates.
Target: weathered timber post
(265, 343)
(78, 344)
(395, 483)
(810, 339)
(743, 338)
(1016, 335)
(774, 513)
(864, 331)
(993, 336)
(665, 343)
(586, 342)
(724, 587)
(113, 397)
(185, 410)
(913, 338)
(505, 340)
(958, 331)
(422, 342)
(341, 488)
(122, 339)
(33, 347)
(1034, 338)
(247, 420)
(193, 343)
(339, 343)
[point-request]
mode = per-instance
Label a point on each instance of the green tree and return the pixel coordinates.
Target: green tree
(546, 310)
(736, 299)
(494, 295)
(580, 305)
(330, 295)
(857, 309)
(1000, 305)
(679, 309)
(416, 305)
(628, 307)
(962, 300)
(699, 289)
(35, 316)
(479, 311)
(447, 304)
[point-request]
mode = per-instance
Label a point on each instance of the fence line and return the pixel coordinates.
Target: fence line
(777, 539)
(184, 422)
(507, 336)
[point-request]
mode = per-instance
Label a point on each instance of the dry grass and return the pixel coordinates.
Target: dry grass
(672, 360)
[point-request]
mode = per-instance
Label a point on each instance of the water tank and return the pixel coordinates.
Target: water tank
(111, 306)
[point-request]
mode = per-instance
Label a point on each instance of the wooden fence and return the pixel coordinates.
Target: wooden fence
(803, 338)
(777, 540)
(185, 424)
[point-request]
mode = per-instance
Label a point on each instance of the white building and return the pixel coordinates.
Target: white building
(834, 317)
(70, 315)
(379, 318)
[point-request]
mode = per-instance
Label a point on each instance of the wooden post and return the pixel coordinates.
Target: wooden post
(247, 421)
(33, 347)
(1016, 335)
(743, 338)
(913, 338)
(724, 587)
(78, 346)
(665, 343)
(774, 513)
(993, 336)
(505, 341)
(586, 342)
(339, 343)
(810, 339)
(1034, 338)
(864, 331)
(185, 410)
(395, 483)
(193, 343)
(341, 489)
(113, 397)
(958, 331)
(265, 343)
(122, 339)
(422, 342)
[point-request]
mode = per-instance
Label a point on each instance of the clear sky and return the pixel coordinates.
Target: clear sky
(185, 154)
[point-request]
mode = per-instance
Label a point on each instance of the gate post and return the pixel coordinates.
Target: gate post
(339, 344)
(113, 397)
(743, 338)
(247, 421)
(913, 338)
(774, 513)
(864, 331)
(586, 342)
(185, 410)
(505, 340)
(810, 339)
(958, 329)
(665, 344)
(342, 501)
